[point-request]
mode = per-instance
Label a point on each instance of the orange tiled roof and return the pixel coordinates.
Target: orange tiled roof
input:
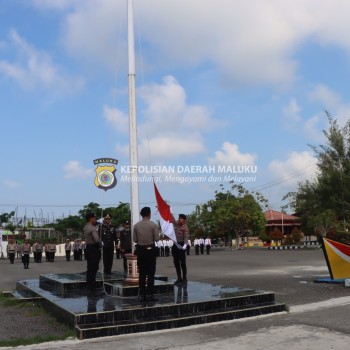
(272, 215)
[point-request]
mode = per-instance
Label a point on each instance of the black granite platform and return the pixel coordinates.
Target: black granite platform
(115, 307)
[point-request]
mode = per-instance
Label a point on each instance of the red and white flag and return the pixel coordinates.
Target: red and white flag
(166, 217)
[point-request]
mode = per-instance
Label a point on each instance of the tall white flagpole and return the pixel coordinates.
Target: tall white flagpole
(135, 207)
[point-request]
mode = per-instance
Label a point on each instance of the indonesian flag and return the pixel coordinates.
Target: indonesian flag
(166, 217)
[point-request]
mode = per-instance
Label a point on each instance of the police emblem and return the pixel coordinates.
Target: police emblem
(105, 174)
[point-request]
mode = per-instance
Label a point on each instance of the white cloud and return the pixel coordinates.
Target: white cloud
(171, 121)
(251, 42)
(122, 150)
(330, 101)
(230, 155)
(117, 119)
(167, 108)
(297, 167)
(11, 184)
(321, 93)
(292, 119)
(35, 69)
(52, 4)
(171, 146)
(91, 32)
(73, 169)
(312, 128)
(291, 114)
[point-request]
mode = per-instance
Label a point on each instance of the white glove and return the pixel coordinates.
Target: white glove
(184, 247)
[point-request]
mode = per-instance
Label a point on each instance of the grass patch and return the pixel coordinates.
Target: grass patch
(69, 333)
(8, 301)
(31, 311)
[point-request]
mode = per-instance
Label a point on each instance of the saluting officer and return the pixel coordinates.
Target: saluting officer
(108, 236)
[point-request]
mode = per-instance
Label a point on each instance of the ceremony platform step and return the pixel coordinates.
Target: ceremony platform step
(158, 316)
(115, 307)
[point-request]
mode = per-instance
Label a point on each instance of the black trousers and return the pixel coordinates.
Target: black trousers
(196, 249)
(146, 262)
(12, 257)
(179, 256)
(25, 260)
(208, 248)
(68, 255)
(167, 250)
(108, 255)
(93, 257)
(37, 256)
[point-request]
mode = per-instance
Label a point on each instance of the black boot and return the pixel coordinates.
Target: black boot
(151, 297)
(178, 281)
(143, 297)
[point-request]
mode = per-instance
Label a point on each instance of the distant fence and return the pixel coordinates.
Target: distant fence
(285, 247)
(312, 243)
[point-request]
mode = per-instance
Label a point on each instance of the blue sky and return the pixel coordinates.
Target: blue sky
(219, 82)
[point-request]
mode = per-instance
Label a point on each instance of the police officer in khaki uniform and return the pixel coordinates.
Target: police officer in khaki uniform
(68, 248)
(26, 249)
(11, 250)
(76, 250)
(145, 235)
(179, 249)
(93, 252)
(52, 251)
(37, 251)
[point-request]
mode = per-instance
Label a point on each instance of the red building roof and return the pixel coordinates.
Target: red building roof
(277, 218)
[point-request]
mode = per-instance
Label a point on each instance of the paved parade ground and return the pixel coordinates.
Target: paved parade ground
(317, 317)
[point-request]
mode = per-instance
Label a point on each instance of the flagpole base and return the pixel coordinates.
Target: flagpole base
(132, 269)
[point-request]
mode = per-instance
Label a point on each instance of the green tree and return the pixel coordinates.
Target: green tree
(232, 213)
(119, 214)
(330, 190)
(90, 208)
(5, 217)
(324, 222)
(71, 226)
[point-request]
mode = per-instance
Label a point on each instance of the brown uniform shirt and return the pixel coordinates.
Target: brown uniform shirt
(182, 233)
(91, 234)
(145, 232)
